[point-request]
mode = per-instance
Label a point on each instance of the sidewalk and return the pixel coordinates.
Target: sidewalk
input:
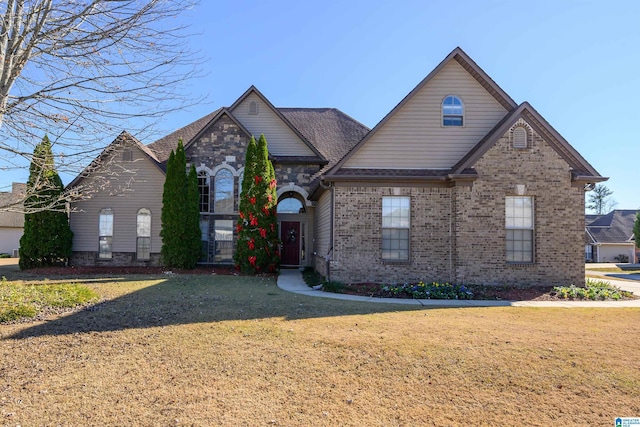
(291, 281)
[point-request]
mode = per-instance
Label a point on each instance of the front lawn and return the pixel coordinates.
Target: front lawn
(204, 350)
(19, 301)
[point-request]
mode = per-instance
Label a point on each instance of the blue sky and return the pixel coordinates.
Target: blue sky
(576, 62)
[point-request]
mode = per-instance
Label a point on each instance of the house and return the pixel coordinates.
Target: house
(11, 219)
(609, 238)
(457, 183)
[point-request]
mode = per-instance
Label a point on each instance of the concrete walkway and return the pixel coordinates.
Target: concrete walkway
(291, 281)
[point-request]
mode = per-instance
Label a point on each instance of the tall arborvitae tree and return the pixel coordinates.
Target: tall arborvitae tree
(179, 213)
(47, 237)
(257, 249)
(192, 220)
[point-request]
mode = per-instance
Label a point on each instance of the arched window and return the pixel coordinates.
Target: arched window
(290, 205)
(240, 178)
(520, 137)
(105, 239)
(143, 233)
(223, 187)
(452, 111)
(203, 189)
(253, 107)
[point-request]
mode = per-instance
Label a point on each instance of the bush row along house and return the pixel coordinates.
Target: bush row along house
(456, 183)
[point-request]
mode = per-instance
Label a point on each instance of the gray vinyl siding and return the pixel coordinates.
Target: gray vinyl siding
(125, 187)
(10, 239)
(414, 137)
(281, 139)
(323, 224)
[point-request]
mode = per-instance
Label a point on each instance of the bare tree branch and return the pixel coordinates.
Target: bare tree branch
(81, 71)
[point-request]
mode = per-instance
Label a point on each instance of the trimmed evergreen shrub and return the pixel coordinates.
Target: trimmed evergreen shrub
(258, 246)
(47, 237)
(180, 213)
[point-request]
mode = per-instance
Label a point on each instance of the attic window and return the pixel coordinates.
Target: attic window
(519, 137)
(127, 155)
(452, 111)
(253, 108)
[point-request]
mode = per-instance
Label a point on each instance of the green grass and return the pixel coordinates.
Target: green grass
(178, 350)
(18, 300)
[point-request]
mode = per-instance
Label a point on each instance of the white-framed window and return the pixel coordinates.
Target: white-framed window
(105, 234)
(520, 137)
(143, 234)
(223, 191)
(396, 216)
(223, 229)
(290, 205)
(588, 253)
(203, 191)
(452, 111)
(240, 178)
(519, 224)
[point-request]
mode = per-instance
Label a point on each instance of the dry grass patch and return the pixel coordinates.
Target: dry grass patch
(194, 350)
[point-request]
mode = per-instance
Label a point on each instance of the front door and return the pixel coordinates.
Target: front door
(290, 237)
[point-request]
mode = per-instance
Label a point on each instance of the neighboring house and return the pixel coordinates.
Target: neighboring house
(457, 183)
(609, 238)
(11, 219)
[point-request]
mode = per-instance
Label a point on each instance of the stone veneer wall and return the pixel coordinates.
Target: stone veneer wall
(222, 143)
(475, 251)
(299, 174)
(118, 259)
(558, 215)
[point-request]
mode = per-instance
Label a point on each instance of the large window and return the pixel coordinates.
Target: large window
(203, 189)
(224, 240)
(519, 226)
(204, 239)
(452, 111)
(223, 198)
(143, 233)
(395, 228)
(105, 239)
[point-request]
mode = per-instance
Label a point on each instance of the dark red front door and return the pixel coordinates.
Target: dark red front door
(290, 237)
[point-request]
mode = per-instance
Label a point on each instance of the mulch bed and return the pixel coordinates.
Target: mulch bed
(507, 293)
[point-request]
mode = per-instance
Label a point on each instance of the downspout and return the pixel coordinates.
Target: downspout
(451, 235)
(329, 254)
(331, 225)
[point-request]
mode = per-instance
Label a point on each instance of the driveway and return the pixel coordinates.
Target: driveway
(627, 281)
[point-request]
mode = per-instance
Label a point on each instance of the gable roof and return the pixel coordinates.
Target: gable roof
(218, 114)
(614, 227)
(459, 56)
(255, 91)
(581, 169)
(332, 132)
(12, 201)
(163, 146)
(124, 138)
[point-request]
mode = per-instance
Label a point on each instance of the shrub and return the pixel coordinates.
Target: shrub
(593, 290)
(433, 290)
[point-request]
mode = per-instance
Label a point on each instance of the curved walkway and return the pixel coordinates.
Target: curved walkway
(291, 281)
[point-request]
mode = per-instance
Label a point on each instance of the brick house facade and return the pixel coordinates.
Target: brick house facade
(457, 183)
